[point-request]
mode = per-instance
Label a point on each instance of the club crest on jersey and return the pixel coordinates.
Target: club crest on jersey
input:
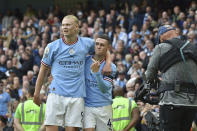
(71, 51)
(46, 52)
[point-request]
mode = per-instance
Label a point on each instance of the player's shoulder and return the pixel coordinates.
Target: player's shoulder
(20, 105)
(86, 39)
(88, 57)
(114, 69)
(6, 94)
(163, 45)
(54, 43)
(113, 66)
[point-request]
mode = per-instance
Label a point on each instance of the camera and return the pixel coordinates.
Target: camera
(148, 92)
(152, 119)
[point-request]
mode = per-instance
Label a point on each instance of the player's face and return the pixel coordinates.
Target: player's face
(101, 46)
(69, 27)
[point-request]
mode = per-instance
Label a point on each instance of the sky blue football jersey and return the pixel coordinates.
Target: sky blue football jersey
(67, 66)
(98, 86)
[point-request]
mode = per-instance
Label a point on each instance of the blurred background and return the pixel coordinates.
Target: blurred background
(27, 26)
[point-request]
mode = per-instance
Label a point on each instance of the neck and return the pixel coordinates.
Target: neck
(172, 36)
(169, 35)
(30, 97)
(70, 39)
(99, 57)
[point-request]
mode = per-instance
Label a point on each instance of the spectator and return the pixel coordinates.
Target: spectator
(4, 101)
(27, 63)
(121, 80)
(7, 20)
(125, 112)
(29, 116)
(119, 35)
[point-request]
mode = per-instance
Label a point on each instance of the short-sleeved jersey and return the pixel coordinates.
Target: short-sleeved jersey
(67, 66)
(4, 100)
(98, 86)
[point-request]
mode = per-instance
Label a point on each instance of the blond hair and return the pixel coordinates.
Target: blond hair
(72, 17)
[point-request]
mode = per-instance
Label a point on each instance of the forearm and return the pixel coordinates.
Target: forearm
(107, 67)
(135, 118)
(19, 128)
(41, 76)
(108, 58)
(131, 125)
(152, 69)
(102, 84)
(17, 125)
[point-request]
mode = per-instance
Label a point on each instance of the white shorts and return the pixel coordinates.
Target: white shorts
(98, 117)
(64, 111)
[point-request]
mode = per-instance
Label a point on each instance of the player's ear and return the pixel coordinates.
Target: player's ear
(108, 46)
(77, 27)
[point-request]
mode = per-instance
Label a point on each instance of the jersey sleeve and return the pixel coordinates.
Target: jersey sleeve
(7, 97)
(113, 73)
(18, 112)
(48, 55)
(152, 69)
(90, 45)
(105, 82)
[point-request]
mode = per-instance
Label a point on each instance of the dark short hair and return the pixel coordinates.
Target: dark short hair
(31, 90)
(118, 91)
(104, 36)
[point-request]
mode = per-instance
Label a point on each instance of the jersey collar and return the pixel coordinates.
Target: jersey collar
(63, 39)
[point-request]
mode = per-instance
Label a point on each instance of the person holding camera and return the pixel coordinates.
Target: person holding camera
(176, 60)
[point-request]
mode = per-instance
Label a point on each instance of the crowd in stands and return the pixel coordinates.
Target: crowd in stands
(131, 28)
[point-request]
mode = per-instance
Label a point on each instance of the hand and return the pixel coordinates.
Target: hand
(95, 66)
(50, 78)
(37, 100)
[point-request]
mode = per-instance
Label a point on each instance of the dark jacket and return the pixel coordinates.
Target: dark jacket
(175, 72)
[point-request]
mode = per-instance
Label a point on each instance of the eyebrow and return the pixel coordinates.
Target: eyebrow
(99, 42)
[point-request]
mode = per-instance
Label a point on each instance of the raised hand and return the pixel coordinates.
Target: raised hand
(95, 66)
